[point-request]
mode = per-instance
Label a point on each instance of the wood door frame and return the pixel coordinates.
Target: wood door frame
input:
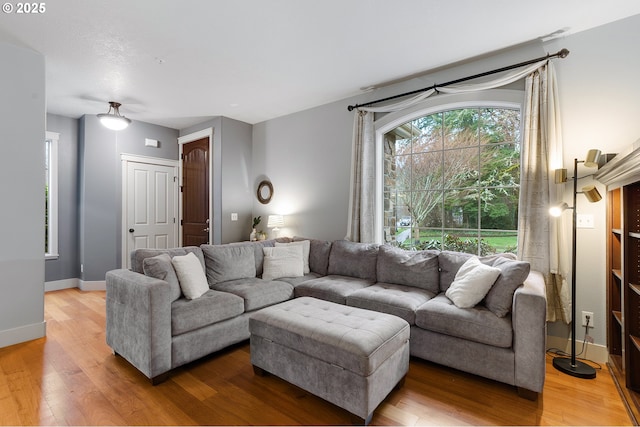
(205, 133)
(125, 159)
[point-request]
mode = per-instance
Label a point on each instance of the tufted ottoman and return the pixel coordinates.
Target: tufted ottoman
(348, 356)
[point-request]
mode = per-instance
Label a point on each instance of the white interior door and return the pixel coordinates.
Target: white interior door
(151, 207)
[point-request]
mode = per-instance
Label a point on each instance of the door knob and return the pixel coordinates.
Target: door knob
(206, 229)
(131, 230)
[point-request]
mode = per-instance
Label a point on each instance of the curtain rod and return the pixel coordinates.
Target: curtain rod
(563, 53)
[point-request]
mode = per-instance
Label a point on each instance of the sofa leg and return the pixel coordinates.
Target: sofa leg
(358, 421)
(528, 394)
(400, 383)
(259, 371)
(160, 378)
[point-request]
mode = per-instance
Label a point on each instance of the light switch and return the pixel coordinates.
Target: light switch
(584, 221)
(151, 142)
(234, 216)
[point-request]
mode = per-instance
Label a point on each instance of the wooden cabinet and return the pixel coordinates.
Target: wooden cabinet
(622, 178)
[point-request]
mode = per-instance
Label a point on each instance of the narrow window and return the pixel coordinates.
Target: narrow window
(51, 196)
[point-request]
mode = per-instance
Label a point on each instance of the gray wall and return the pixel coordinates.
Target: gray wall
(232, 186)
(100, 187)
(22, 133)
(307, 154)
(67, 265)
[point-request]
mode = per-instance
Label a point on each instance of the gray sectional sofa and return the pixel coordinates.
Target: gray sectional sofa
(153, 326)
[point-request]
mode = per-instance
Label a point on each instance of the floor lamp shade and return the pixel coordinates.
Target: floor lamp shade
(591, 193)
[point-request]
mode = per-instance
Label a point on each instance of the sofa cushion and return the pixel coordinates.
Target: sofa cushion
(353, 259)
(211, 307)
(319, 251)
(450, 262)
(472, 283)
(477, 324)
(256, 292)
(295, 281)
(332, 288)
(283, 261)
(399, 300)
(139, 255)
(192, 279)
(410, 268)
(306, 247)
(160, 267)
(512, 274)
(229, 262)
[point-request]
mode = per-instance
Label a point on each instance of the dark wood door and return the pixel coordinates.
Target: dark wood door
(195, 193)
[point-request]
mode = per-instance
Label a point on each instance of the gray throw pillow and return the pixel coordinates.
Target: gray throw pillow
(319, 251)
(512, 274)
(139, 255)
(229, 262)
(160, 267)
(410, 268)
(353, 259)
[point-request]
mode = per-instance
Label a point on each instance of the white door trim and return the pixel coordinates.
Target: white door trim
(125, 159)
(204, 133)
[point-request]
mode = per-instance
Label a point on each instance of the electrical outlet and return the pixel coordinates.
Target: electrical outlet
(584, 319)
(234, 216)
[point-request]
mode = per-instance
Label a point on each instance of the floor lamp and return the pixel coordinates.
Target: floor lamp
(571, 366)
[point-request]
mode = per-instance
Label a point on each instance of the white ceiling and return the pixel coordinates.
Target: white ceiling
(177, 63)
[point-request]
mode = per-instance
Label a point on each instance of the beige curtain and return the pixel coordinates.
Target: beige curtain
(542, 240)
(361, 221)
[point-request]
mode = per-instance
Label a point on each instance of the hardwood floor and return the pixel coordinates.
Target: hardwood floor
(71, 377)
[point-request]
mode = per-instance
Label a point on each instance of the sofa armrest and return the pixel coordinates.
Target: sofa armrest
(139, 320)
(529, 316)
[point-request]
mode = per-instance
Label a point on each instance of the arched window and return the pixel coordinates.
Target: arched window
(451, 180)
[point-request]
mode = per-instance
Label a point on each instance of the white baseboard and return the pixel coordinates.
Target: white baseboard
(95, 285)
(83, 285)
(23, 334)
(596, 352)
(57, 285)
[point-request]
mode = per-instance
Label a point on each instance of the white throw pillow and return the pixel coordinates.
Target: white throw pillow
(472, 283)
(282, 262)
(193, 281)
(306, 247)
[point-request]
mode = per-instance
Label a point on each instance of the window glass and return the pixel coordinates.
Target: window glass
(451, 181)
(51, 196)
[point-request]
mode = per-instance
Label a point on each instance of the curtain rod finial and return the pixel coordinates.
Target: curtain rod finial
(563, 53)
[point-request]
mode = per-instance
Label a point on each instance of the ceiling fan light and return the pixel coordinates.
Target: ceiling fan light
(114, 121)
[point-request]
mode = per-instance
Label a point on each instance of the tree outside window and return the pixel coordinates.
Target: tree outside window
(452, 181)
